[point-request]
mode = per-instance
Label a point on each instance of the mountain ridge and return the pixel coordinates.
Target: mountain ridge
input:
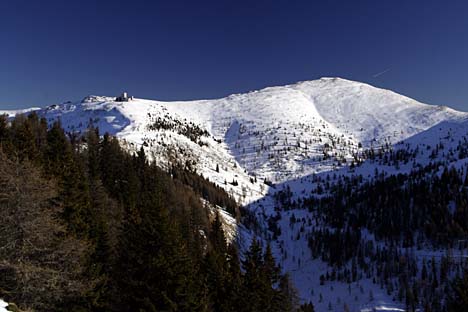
(258, 144)
(275, 133)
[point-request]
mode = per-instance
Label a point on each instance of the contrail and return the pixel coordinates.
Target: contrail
(381, 73)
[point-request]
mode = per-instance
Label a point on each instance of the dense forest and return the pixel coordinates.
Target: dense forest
(407, 231)
(88, 226)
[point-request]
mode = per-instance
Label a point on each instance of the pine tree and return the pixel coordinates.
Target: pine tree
(58, 154)
(287, 298)
(278, 295)
(216, 266)
(234, 286)
(3, 128)
(309, 307)
(155, 269)
(218, 240)
(254, 285)
(60, 162)
(458, 298)
(93, 153)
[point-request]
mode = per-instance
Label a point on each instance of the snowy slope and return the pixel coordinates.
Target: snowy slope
(280, 135)
(12, 113)
(370, 113)
(277, 133)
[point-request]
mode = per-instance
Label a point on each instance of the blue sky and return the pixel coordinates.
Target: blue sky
(53, 51)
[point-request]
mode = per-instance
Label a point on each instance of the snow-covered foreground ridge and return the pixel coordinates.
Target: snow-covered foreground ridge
(256, 143)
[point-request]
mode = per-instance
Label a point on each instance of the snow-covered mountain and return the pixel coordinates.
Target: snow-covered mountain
(257, 143)
(275, 133)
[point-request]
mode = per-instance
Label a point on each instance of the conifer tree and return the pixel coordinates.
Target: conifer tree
(155, 270)
(254, 285)
(458, 298)
(234, 286)
(216, 266)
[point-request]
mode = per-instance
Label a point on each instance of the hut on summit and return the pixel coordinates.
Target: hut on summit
(124, 97)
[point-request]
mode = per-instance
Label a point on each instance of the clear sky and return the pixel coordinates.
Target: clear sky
(53, 51)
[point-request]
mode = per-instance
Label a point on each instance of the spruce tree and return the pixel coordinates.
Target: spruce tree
(254, 284)
(458, 297)
(216, 266)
